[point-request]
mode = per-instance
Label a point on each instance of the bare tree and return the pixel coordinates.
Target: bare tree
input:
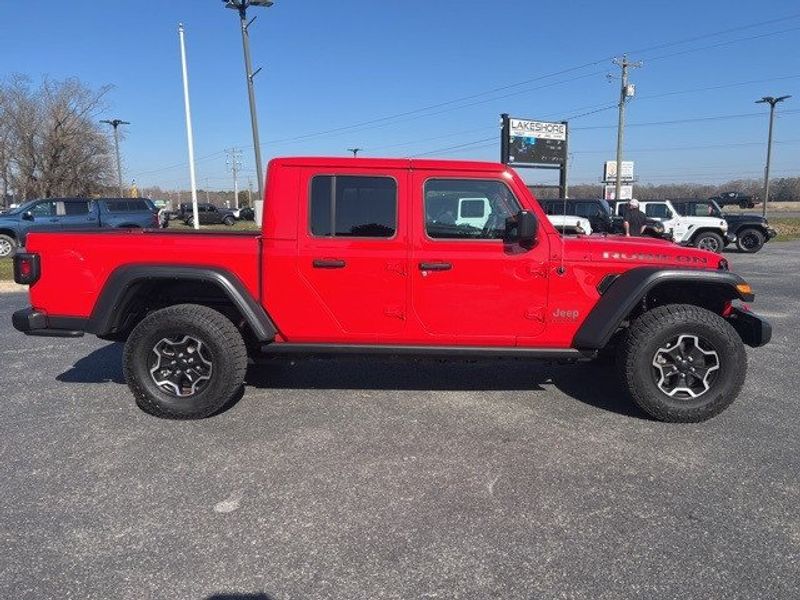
(52, 143)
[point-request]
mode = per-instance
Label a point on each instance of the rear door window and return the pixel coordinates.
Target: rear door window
(353, 206)
(77, 208)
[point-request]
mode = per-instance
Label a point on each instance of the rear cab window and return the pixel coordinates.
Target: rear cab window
(347, 206)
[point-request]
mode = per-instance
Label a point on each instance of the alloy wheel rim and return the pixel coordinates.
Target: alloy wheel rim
(181, 366)
(685, 367)
(749, 241)
(708, 244)
(5, 248)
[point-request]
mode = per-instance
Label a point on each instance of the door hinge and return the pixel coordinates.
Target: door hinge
(535, 313)
(395, 312)
(537, 269)
(396, 267)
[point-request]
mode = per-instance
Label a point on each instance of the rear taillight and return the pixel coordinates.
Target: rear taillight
(26, 268)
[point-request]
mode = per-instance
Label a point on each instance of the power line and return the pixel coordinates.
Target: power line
(419, 111)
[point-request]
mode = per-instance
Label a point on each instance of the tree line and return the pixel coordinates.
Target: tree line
(51, 143)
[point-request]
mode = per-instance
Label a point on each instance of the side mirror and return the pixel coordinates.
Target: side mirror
(27, 215)
(527, 227)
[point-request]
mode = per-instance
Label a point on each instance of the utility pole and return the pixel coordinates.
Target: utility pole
(250, 192)
(241, 7)
(626, 91)
(355, 151)
(234, 164)
(208, 198)
(772, 101)
(115, 123)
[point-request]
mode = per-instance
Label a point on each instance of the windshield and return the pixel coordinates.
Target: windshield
(21, 208)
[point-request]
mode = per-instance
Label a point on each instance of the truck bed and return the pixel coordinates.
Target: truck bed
(76, 265)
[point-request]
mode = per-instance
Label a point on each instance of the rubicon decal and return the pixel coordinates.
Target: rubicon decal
(647, 257)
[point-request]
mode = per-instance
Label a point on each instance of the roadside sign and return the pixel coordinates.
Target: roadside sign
(625, 192)
(536, 142)
(610, 171)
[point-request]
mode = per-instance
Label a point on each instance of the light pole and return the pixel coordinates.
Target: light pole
(115, 123)
(241, 6)
(355, 151)
(772, 102)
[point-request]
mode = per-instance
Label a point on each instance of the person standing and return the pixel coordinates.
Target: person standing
(635, 220)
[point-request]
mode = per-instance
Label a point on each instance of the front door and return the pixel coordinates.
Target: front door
(469, 285)
(353, 254)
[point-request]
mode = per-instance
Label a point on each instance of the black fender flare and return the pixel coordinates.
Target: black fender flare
(622, 295)
(106, 317)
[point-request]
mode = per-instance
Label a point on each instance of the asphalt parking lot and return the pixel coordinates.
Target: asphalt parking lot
(354, 479)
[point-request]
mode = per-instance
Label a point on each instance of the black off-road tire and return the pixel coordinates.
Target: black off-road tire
(8, 246)
(655, 328)
(222, 341)
(750, 240)
(706, 239)
(229, 221)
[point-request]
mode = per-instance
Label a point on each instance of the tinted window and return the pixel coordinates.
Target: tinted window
(657, 211)
(72, 209)
(44, 209)
(559, 207)
(126, 205)
(353, 206)
(472, 208)
(587, 209)
(444, 196)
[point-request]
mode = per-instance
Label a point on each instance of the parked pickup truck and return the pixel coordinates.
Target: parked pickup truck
(73, 214)
(363, 256)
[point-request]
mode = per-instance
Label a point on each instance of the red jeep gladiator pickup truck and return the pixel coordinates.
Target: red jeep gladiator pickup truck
(393, 256)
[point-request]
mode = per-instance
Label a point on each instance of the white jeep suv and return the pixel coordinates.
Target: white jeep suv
(708, 233)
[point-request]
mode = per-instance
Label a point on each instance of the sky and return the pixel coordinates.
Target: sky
(429, 79)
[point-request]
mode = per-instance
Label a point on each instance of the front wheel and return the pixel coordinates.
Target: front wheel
(8, 245)
(229, 221)
(708, 240)
(750, 240)
(682, 363)
(184, 362)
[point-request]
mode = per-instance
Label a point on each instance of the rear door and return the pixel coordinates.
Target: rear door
(469, 286)
(353, 253)
(78, 214)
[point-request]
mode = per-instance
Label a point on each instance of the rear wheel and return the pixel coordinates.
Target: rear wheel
(708, 240)
(750, 240)
(8, 246)
(682, 363)
(184, 362)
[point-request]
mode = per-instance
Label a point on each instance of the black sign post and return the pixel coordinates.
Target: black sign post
(536, 145)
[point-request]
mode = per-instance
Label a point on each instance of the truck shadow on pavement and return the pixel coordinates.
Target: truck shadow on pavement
(592, 384)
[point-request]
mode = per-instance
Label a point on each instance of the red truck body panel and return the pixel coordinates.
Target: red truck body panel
(75, 266)
(495, 294)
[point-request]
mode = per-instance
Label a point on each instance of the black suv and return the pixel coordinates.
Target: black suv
(749, 231)
(597, 211)
(207, 213)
